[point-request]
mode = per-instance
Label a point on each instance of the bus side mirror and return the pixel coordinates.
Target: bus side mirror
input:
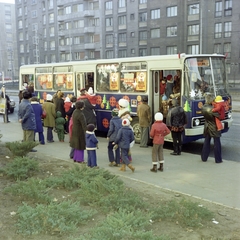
(194, 77)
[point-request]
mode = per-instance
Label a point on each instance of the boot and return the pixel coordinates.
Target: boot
(161, 167)
(175, 152)
(131, 167)
(123, 168)
(111, 164)
(154, 169)
(179, 149)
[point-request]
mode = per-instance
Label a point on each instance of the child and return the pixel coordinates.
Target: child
(124, 137)
(158, 131)
(60, 122)
(218, 106)
(67, 104)
(115, 125)
(91, 146)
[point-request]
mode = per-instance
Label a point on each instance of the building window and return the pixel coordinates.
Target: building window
(50, 4)
(44, 19)
(22, 61)
(45, 46)
(20, 12)
(172, 31)
(122, 20)
(109, 39)
(34, 2)
(227, 49)
(51, 31)
(217, 48)
(142, 52)
(46, 58)
(78, 24)
(25, 10)
(155, 14)
(193, 30)
(172, 11)
(94, 22)
(109, 54)
(132, 16)
(51, 17)
(122, 53)
(143, 17)
(218, 9)
(21, 48)
(155, 33)
(21, 36)
(133, 51)
(171, 50)
(53, 58)
(132, 34)
(193, 9)
(34, 27)
(142, 1)
(227, 29)
(93, 5)
(193, 49)
(77, 56)
(109, 22)
(122, 37)
(155, 51)
(228, 8)
(143, 35)
(68, 10)
(218, 30)
(52, 45)
(121, 3)
(108, 5)
(8, 26)
(77, 8)
(34, 14)
(76, 40)
(68, 25)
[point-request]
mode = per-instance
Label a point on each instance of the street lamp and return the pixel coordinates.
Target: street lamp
(201, 27)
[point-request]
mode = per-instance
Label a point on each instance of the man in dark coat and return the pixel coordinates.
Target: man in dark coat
(210, 131)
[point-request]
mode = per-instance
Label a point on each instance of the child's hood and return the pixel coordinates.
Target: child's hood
(59, 114)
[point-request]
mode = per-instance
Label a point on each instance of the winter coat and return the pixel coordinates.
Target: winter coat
(59, 121)
(169, 88)
(70, 111)
(60, 106)
(88, 111)
(144, 115)
(158, 131)
(27, 115)
(124, 137)
(91, 141)
(50, 109)
(67, 106)
(210, 127)
(37, 108)
(78, 139)
(115, 125)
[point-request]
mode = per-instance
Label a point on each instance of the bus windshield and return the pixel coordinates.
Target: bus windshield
(204, 74)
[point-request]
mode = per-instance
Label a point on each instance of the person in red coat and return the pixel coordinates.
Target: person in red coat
(158, 131)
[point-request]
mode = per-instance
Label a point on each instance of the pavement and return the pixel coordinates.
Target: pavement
(185, 174)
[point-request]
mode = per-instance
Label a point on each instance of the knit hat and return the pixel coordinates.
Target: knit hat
(90, 127)
(125, 122)
(218, 99)
(123, 103)
(49, 97)
(115, 112)
(169, 77)
(158, 116)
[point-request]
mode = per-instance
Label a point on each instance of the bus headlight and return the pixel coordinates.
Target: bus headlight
(196, 122)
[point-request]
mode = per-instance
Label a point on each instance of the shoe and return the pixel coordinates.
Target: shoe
(174, 153)
(96, 167)
(33, 150)
(111, 164)
(42, 143)
(116, 165)
(143, 146)
(50, 141)
(8, 121)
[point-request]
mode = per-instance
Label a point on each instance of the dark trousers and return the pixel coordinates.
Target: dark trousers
(92, 158)
(111, 154)
(207, 147)
(124, 155)
(40, 137)
(177, 141)
(49, 134)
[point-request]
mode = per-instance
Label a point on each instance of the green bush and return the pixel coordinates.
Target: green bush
(21, 168)
(21, 149)
(53, 218)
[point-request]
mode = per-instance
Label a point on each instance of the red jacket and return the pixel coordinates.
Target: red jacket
(158, 131)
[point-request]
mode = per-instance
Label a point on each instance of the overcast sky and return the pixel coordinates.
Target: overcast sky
(7, 1)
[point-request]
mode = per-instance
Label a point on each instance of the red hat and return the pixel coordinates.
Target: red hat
(169, 77)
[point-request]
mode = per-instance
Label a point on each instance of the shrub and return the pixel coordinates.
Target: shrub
(20, 149)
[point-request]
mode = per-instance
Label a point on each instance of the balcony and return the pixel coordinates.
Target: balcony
(89, 13)
(89, 46)
(62, 48)
(89, 30)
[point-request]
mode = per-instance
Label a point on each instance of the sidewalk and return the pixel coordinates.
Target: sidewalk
(185, 174)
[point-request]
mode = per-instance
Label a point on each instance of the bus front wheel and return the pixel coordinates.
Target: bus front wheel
(136, 129)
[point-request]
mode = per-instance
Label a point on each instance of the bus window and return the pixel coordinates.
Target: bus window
(63, 82)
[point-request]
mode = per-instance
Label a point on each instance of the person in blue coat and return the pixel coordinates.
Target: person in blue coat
(37, 108)
(124, 137)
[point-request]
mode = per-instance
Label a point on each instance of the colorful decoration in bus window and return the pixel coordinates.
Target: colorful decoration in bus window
(108, 105)
(114, 81)
(98, 100)
(69, 81)
(112, 101)
(104, 99)
(49, 81)
(60, 79)
(200, 105)
(187, 107)
(141, 81)
(105, 123)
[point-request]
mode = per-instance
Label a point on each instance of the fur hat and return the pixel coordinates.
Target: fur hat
(145, 99)
(125, 122)
(49, 97)
(90, 127)
(158, 116)
(169, 77)
(218, 99)
(123, 103)
(115, 112)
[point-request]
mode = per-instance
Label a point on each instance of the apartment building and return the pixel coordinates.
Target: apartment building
(8, 50)
(73, 30)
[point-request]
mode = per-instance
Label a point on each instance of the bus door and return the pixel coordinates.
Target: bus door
(84, 80)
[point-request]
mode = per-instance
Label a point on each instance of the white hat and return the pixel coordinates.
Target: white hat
(158, 116)
(123, 103)
(49, 97)
(125, 122)
(67, 99)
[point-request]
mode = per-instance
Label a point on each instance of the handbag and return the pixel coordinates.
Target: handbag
(44, 114)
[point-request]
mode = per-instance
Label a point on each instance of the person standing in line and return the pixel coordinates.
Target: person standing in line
(91, 146)
(37, 108)
(176, 120)
(60, 107)
(26, 117)
(158, 131)
(79, 127)
(115, 125)
(219, 107)
(59, 123)
(124, 137)
(144, 115)
(49, 121)
(211, 131)
(4, 95)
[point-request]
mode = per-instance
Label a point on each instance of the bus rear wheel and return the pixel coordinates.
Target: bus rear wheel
(136, 130)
